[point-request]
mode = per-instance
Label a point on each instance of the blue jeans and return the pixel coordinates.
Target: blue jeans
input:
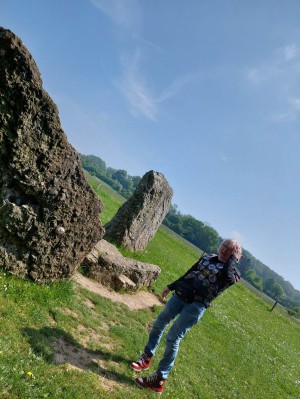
(189, 315)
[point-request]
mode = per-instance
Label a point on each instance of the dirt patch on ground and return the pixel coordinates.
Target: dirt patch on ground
(69, 312)
(82, 359)
(86, 335)
(139, 300)
(89, 303)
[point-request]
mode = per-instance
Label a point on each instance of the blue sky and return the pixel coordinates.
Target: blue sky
(206, 92)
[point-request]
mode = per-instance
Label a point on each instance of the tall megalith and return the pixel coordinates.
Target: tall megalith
(49, 216)
(138, 219)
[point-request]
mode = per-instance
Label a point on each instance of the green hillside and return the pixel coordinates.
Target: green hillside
(62, 341)
(200, 234)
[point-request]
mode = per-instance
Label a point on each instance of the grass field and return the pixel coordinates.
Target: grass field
(62, 341)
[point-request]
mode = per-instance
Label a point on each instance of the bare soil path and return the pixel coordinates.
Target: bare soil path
(136, 301)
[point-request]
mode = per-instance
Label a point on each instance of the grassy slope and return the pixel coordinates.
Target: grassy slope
(239, 350)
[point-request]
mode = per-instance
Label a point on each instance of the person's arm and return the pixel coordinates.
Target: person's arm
(172, 286)
(231, 273)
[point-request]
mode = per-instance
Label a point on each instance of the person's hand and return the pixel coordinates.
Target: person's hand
(165, 293)
(237, 253)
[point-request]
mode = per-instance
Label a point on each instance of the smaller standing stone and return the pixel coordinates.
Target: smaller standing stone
(138, 219)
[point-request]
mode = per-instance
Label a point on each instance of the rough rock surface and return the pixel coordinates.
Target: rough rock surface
(106, 265)
(138, 219)
(49, 216)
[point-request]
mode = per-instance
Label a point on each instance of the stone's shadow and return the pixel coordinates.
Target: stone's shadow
(58, 347)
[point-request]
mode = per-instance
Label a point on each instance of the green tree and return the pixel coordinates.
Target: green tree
(193, 230)
(135, 180)
(295, 312)
(252, 277)
(110, 171)
(273, 289)
(92, 160)
(121, 176)
(199, 234)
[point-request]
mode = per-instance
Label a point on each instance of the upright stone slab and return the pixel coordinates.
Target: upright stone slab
(138, 219)
(49, 216)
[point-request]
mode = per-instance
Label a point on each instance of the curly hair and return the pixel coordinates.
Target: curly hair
(231, 244)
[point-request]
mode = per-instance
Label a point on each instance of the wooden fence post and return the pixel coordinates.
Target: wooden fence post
(274, 305)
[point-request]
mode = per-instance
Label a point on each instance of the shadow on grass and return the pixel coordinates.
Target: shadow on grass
(58, 347)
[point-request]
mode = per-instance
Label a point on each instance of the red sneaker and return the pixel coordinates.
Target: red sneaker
(153, 383)
(143, 363)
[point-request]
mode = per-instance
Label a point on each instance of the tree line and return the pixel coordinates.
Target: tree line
(118, 179)
(201, 235)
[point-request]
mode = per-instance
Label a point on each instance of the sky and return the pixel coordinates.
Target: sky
(205, 92)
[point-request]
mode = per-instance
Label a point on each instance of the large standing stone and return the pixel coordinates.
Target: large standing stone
(138, 219)
(49, 216)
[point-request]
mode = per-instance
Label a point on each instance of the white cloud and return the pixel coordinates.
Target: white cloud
(263, 74)
(277, 79)
(283, 117)
(253, 75)
(142, 96)
(140, 93)
(177, 85)
(290, 52)
(236, 235)
(224, 158)
(123, 13)
(292, 111)
(136, 89)
(280, 64)
(295, 103)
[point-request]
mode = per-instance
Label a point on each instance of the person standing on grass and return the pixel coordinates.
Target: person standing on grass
(194, 292)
